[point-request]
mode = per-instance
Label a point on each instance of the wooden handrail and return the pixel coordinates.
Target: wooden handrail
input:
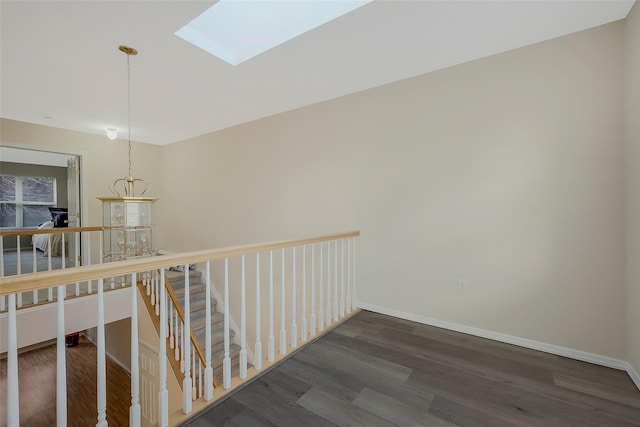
(194, 338)
(34, 281)
(59, 230)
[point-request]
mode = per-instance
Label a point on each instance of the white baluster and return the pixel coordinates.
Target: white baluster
(100, 248)
(171, 327)
(76, 262)
(342, 303)
(35, 270)
(200, 379)
(349, 275)
(157, 284)
(152, 292)
(186, 347)
(313, 290)
(134, 410)
(163, 394)
(243, 326)
(61, 363)
(18, 267)
(87, 260)
(102, 367)
(328, 321)
(226, 362)
(208, 372)
(13, 403)
(64, 255)
(49, 262)
(258, 360)
(176, 328)
(194, 391)
(321, 310)
(271, 338)
(181, 344)
(18, 259)
(304, 293)
(353, 290)
(294, 314)
(283, 329)
(335, 281)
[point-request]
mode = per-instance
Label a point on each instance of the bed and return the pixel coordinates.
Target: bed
(41, 241)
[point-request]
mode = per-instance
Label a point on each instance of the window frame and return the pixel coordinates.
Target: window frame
(19, 199)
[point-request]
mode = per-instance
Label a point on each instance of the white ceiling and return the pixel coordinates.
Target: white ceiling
(60, 64)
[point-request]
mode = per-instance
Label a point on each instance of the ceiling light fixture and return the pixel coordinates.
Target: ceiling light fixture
(128, 220)
(112, 133)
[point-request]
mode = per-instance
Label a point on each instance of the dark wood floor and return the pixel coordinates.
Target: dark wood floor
(376, 370)
(37, 374)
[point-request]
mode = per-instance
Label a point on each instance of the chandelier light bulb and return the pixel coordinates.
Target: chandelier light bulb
(112, 133)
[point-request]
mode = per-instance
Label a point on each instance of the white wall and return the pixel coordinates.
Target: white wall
(632, 157)
(506, 172)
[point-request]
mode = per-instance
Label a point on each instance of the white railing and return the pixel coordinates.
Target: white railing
(49, 249)
(303, 278)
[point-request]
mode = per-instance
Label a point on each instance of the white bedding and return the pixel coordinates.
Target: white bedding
(41, 241)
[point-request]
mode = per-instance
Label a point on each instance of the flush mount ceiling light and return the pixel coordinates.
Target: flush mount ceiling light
(112, 133)
(236, 31)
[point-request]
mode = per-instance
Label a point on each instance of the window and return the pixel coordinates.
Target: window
(25, 201)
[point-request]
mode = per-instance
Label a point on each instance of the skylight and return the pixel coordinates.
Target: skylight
(238, 30)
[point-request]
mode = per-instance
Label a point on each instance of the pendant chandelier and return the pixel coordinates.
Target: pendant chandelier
(128, 219)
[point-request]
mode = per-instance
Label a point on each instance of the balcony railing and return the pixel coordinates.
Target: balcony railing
(309, 284)
(48, 249)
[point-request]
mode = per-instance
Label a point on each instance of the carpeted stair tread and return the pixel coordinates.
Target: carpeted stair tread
(217, 338)
(177, 277)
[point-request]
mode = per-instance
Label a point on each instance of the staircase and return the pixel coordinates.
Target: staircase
(197, 302)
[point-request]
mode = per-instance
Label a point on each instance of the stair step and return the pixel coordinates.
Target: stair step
(217, 338)
(199, 305)
(196, 293)
(176, 277)
(198, 321)
(194, 287)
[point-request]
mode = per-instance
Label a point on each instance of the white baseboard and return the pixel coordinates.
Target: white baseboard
(635, 377)
(584, 356)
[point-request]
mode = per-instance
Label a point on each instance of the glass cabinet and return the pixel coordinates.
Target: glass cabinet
(128, 227)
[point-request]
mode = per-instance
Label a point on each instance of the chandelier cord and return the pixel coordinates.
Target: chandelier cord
(129, 108)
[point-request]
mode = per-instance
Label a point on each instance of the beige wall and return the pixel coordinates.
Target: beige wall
(632, 157)
(505, 172)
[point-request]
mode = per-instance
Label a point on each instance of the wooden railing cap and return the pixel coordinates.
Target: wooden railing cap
(34, 281)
